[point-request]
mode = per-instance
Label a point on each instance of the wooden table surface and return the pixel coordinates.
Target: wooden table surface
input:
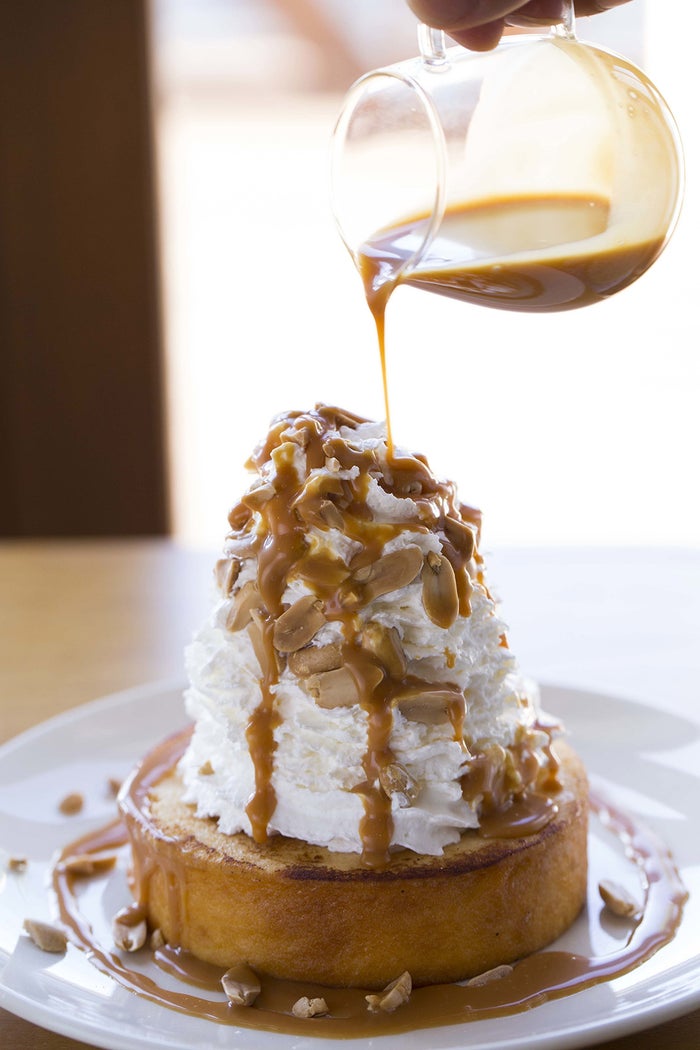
(80, 619)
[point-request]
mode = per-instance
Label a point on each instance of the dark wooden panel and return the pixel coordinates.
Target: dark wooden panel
(81, 399)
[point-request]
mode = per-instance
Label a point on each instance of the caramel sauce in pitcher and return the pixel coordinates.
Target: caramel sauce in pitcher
(535, 254)
(530, 254)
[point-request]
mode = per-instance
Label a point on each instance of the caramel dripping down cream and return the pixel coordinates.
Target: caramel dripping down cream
(378, 691)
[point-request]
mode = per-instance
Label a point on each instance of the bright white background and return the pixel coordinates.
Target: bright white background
(575, 428)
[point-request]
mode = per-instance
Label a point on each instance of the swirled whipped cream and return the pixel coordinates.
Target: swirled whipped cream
(353, 687)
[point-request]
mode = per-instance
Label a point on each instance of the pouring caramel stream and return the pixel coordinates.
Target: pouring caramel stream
(529, 254)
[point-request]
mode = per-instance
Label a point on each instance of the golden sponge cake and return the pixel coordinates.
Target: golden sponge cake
(301, 912)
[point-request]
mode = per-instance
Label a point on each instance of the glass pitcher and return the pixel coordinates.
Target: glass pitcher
(544, 175)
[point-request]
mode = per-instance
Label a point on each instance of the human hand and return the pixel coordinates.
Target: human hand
(479, 24)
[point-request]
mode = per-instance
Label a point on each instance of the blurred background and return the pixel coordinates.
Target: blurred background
(171, 278)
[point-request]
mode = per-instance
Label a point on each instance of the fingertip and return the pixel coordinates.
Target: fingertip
(480, 38)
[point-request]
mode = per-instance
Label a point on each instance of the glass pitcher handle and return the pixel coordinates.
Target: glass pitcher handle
(432, 46)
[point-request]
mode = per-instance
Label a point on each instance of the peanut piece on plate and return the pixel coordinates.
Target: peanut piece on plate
(394, 995)
(617, 899)
(71, 804)
(241, 985)
(306, 1007)
(489, 975)
(47, 937)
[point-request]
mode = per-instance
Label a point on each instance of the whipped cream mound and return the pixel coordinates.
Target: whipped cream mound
(353, 686)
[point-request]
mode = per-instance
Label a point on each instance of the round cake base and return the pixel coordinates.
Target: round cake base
(300, 912)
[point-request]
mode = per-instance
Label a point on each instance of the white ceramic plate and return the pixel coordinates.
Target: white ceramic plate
(648, 763)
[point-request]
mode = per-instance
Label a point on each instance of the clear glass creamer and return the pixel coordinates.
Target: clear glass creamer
(544, 175)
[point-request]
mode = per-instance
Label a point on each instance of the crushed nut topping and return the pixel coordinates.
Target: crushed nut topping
(330, 514)
(244, 601)
(313, 659)
(349, 599)
(618, 900)
(431, 705)
(306, 1007)
(17, 864)
(461, 536)
(338, 688)
(394, 995)
(389, 573)
(440, 597)
(89, 863)
(129, 929)
(298, 624)
(226, 572)
(156, 940)
(206, 769)
(495, 974)
(397, 782)
(299, 437)
(239, 516)
(46, 936)
(71, 804)
(257, 496)
(129, 938)
(241, 985)
(385, 644)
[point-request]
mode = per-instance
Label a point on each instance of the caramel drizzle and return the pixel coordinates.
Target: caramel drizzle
(260, 736)
(283, 545)
(278, 537)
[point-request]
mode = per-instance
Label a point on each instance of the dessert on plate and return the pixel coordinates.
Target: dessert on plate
(369, 786)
